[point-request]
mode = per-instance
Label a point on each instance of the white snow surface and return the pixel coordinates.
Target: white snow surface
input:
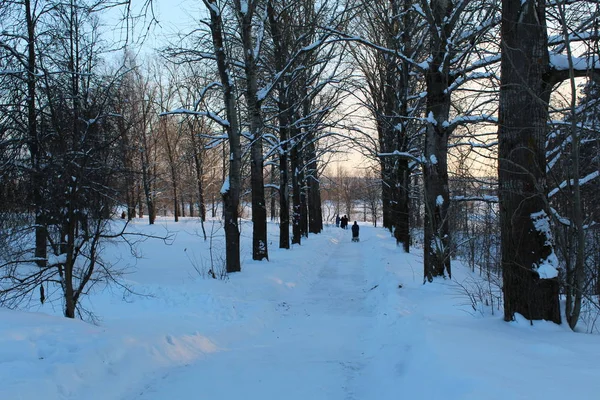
(324, 320)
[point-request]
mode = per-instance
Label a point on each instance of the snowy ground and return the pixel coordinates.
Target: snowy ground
(325, 320)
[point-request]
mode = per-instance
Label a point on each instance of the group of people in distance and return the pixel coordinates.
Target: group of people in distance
(343, 223)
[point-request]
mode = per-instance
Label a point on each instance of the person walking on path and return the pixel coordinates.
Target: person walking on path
(355, 229)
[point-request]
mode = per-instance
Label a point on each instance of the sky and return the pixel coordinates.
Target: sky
(329, 319)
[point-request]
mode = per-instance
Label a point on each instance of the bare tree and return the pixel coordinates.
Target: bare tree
(232, 185)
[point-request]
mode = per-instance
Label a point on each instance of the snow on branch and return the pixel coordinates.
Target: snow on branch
(484, 198)
(204, 91)
(471, 34)
(569, 182)
(345, 37)
(214, 8)
(400, 154)
(483, 62)
(244, 7)
(469, 119)
(467, 78)
(13, 72)
(560, 62)
(266, 90)
(574, 37)
(474, 145)
(208, 114)
(562, 220)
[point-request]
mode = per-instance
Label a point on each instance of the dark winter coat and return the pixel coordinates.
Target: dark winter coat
(355, 229)
(344, 222)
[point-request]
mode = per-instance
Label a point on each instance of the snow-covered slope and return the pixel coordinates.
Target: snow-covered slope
(325, 320)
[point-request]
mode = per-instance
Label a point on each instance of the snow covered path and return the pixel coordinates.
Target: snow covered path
(313, 347)
(328, 320)
(325, 320)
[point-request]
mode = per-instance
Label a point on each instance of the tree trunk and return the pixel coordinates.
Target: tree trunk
(296, 192)
(199, 171)
(232, 185)
(303, 206)
(281, 54)
(284, 191)
(315, 213)
(576, 283)
(272, 200)
(435, 175)
(435, 169)
(147, 185)
(139, 201)
(33, 141)
(386, 195)
(245, 11)
(530, 283)
(69, 293)
(175, 202)
(401, 208)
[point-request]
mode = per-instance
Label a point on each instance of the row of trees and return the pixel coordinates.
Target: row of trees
(440, 64)
(280, 79)
(82, 133)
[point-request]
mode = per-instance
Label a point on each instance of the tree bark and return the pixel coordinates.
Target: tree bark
(315, 213)
(272, 201)
(199, 172)
(401, 206)
(295, 166)
(284, 184)
(232, 185)
(33, 140)
(172, 168)
(280, 45)
(146, 179)
(526, 242)
(435, 169)
(259, 207)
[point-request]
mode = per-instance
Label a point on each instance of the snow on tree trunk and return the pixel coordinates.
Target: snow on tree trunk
(530, 283)
(435, 168)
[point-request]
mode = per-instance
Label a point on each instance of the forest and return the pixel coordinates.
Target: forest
(476, 122)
